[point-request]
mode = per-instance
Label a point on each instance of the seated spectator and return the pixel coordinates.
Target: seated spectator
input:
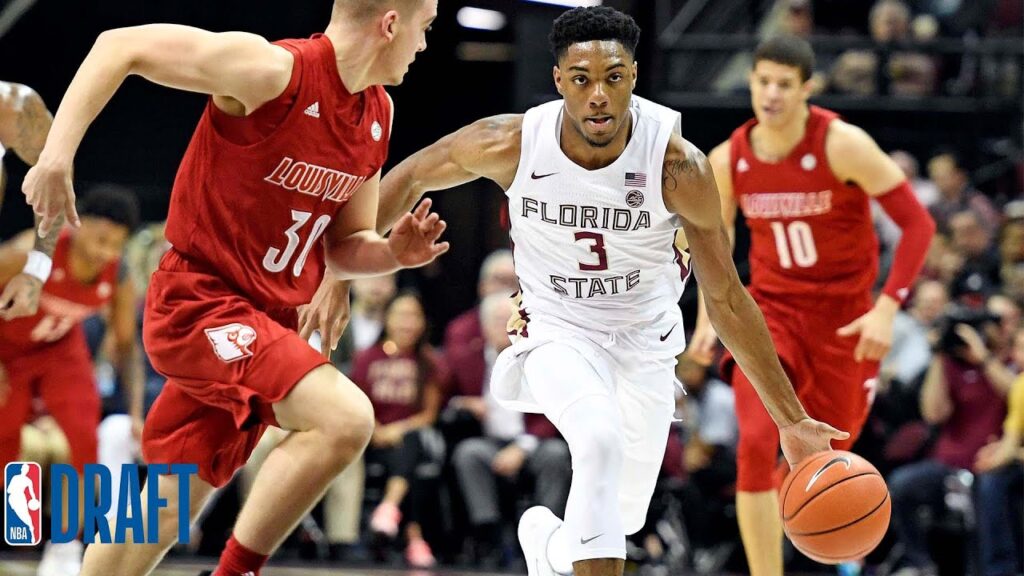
(497, 276)
(710, 434)
(926, 191)
(369, 297)
(914, 334)
(1000, 469)
(956, 193)
(907, 73)
(513, 445)
(978, 277)
(959, 397)
(403, 378)
(1011, 259)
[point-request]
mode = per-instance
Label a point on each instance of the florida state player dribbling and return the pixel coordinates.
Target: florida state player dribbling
(803, 177)
(287, 152)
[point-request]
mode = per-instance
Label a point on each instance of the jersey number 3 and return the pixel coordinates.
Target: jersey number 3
(597, 248)
(795, 243)
(277, 259)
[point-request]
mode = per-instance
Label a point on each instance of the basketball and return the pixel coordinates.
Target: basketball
(835, 507)
(33, 504)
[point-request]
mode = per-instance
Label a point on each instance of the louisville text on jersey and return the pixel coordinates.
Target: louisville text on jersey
(786, 204)
(328, 183)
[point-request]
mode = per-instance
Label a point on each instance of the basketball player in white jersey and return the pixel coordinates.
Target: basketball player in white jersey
(597, 185)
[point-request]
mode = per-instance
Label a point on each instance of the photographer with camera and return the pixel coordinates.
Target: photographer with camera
(964, 395)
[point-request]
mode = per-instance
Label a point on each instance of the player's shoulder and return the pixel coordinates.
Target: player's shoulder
(845, 137)
(682, 151)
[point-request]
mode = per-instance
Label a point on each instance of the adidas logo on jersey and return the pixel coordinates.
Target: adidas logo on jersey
(313, 110)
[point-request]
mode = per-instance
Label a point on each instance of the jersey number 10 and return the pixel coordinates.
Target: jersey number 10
(277, 260)
(795, 243)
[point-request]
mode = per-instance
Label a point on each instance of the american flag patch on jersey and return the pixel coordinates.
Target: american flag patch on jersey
(636, 179)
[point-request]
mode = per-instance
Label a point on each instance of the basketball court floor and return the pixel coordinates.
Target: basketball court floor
(11, 566)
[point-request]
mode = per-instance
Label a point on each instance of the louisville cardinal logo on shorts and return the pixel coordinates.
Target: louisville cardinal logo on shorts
(231, 342)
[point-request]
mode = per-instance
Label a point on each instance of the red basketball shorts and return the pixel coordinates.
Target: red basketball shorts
(832, 386)
(226, 364)
(61, 374)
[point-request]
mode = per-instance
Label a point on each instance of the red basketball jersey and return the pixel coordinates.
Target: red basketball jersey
(809, 232)
(255, 214)
(63, 304)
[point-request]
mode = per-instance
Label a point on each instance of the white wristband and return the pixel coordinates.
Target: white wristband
(38, 265)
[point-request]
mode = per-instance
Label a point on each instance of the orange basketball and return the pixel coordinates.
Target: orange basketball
(835, 507)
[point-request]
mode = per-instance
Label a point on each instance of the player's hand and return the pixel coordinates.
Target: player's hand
(509, 461)
(20, 297)
(413, 240)
(703, 344)
(48, 189)
(806, 438)
(328, 312)
(5, 386)
(875, 329)
(387, 436)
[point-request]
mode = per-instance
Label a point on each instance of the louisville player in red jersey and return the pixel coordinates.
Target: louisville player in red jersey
(279, 184)
(46, 354)
(803, 179)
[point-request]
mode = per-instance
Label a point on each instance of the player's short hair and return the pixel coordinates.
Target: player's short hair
(363, 9)
(593, 23)
(111, 202)
(787, 50)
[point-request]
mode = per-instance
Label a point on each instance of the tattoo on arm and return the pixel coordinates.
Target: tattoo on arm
(49, 244)
(33, 125)
(675, 167)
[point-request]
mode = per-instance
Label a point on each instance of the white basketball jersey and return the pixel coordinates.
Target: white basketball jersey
(595, 248)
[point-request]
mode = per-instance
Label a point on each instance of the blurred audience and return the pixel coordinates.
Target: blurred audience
(497, 276)
(960, 398)
(957, 194)
(404, 380)
(513, 450)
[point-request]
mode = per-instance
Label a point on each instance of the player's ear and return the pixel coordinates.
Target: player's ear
(635, 73)
(389, 25)
(556, 73)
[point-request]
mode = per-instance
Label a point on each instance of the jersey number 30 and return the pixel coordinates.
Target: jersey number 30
(277, 259)
(795, 243)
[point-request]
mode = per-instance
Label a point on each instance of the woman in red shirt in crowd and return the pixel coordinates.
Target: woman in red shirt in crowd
(403, 377)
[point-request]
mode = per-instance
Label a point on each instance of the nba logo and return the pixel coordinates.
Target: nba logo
(23, 522)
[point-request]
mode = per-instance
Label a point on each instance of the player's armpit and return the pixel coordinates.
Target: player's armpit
(488, 148)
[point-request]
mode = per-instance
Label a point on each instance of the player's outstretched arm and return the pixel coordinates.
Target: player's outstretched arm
(689, 189)
(488, 148)
(704, 342)
(242, 71)
(354, 249)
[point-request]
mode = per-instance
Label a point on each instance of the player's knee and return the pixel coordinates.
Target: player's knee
(348, 425)
(599, 451)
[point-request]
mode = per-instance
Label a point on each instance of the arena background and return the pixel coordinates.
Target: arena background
(975, 107)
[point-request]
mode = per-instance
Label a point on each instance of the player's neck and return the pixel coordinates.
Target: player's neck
(772, 144)
(354, 55)
(585, 154)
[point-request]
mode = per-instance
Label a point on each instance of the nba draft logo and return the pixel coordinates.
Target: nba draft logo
(23, 522)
